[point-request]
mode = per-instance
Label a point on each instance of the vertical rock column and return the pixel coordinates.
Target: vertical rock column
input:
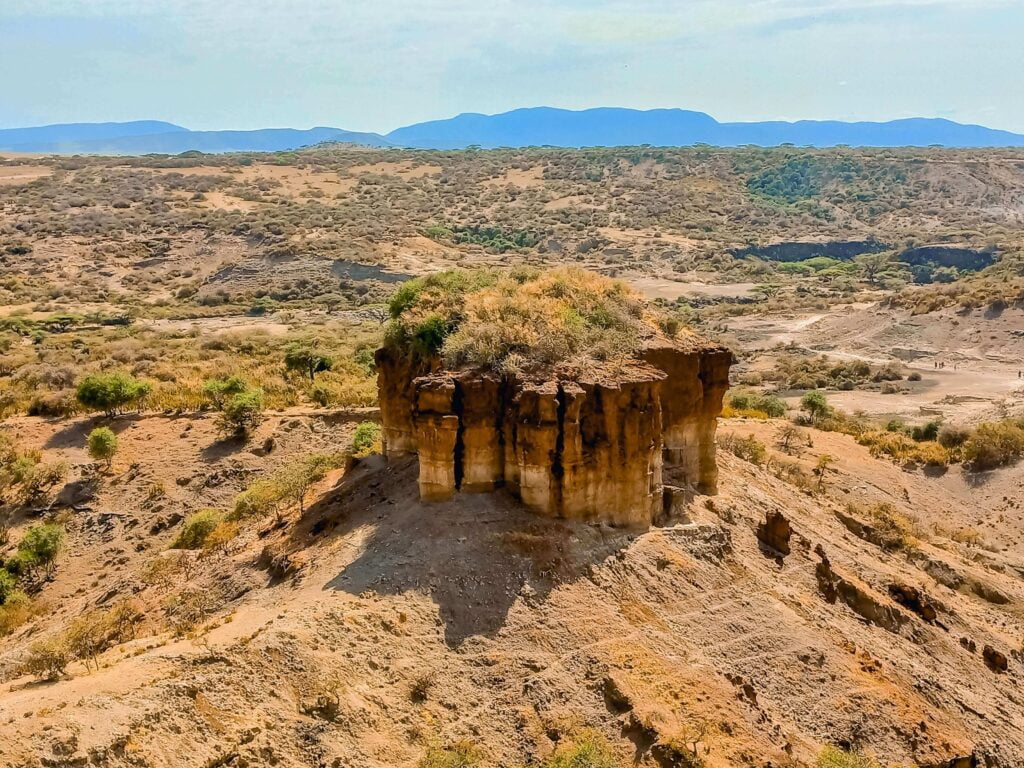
(691, 401)
(480, 409)
(437, 437)
(397, 371)
(714, 377)
(682, 395)
(611, 455)
(535, 448)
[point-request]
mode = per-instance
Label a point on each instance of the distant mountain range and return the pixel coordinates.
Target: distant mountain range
(148, 137)
(536, 126)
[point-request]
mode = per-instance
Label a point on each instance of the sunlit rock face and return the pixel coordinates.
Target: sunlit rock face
(597, 446)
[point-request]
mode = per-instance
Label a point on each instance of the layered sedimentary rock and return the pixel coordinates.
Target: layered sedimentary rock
(696, 381)
(591, 447)
(396, 395)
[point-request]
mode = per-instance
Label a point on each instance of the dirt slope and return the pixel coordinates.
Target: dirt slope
(384, 625)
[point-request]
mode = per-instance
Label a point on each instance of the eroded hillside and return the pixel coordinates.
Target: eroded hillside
(374, 626)
(222, 571)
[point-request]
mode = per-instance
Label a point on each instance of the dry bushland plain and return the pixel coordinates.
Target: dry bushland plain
(323, 616)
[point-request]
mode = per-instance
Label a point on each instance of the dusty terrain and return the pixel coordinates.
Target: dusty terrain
(370, 629)
(981, 355)
(526, 628)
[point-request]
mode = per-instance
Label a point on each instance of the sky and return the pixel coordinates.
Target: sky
(376, 65)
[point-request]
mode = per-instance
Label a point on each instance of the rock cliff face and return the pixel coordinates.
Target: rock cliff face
(595, 447)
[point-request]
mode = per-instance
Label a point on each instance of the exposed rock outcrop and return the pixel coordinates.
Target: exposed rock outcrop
(396, 391)
(774, 533)
(594, 446)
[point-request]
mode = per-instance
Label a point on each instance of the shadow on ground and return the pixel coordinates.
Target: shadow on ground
(474, 555)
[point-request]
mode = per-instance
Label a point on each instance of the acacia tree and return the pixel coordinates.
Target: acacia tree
(241, 412)
(40, 546)
(307, 360)
(824, 462)
(788, 435)
(219, 390)
(816, 405)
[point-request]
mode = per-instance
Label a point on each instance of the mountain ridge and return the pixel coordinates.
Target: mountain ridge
(528, 126)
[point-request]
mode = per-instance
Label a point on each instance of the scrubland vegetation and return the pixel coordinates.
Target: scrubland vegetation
(134, 368)
(509, 320)
(980, 448)
(221, 290)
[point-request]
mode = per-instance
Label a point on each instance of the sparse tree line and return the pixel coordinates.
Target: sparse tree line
(239, 403)
(985, 447)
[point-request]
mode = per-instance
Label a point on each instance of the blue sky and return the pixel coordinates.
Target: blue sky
(378, 64)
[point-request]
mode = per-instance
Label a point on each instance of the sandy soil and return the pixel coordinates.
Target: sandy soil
(225, 202)
(21, 174)
(571, 201)
(658, 288)
(524, 628)
(981, 357)
(528, 178)
(402, 170)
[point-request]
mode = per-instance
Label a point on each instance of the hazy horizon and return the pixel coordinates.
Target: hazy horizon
(385, 131)
(230, 65)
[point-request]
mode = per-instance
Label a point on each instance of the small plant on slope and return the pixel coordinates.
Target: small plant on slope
(102, 445)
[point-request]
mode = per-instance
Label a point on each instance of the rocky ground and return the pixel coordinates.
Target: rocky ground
(766, 623)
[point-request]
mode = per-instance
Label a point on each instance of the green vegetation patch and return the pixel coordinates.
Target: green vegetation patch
(802, 177)
(521, 318)
(494, 239)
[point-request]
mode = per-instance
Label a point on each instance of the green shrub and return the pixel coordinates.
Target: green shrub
(770, 405)
(366, 439)
(586, 749)
(902, 449)
(259, 499)
(16, 610)
(893, 529)
(295, 479)
(241, 413)
(219, 390)
(953, 437)
(23, 476)
(833, 757)
(994, 444)
(748, 448)
(111, 392)
(287, 486)
(816, 406)
(102, 445)
(489, 318)
(197, 528)
(41, 544)
(460, 754)
(220, 538)
(21, 564)
(47, 659)
(8, 586)
(928, 431)
(307, 360)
